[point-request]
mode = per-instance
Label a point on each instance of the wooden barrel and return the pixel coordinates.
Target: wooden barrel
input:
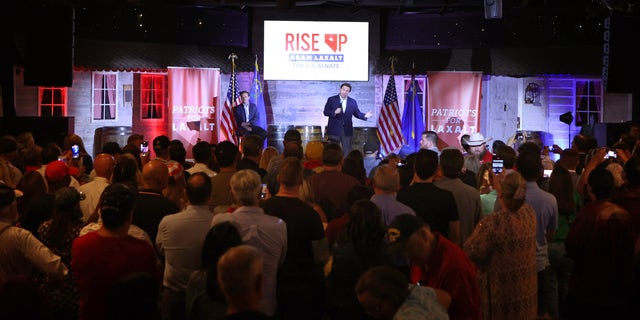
(110, 134)
(365, 139)
(275, 136)
(309, 133)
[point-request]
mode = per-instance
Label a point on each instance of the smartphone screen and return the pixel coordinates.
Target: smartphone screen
(144, 147)
(497, 165)
(263, 191)
(75, 151)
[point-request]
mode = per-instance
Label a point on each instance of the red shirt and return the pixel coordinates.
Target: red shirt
(98, 262)
(451, 270)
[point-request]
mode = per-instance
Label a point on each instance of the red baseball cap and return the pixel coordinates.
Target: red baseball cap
(56, 170)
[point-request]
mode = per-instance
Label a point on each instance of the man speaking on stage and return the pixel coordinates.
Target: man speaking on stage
(341, 109)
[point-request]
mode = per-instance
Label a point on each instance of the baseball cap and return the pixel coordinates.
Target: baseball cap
(175, 169)
(403, 226)
(161, 142)
(56, 170)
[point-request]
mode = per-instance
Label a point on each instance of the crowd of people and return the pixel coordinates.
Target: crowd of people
(246, 232)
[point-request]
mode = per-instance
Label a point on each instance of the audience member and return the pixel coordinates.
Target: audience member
(21, 253)
(267, 233)
(292, 136)
(178, 153)
(240, 275)
(103, 165)
(439, 263)
(562, 187)
(434, 205)
(385, 293)
(33, 186)
(313, 155)
(360, 246)
(271, 179)
(52, 152)
(204, 298)
(545, 205)
(227, 156)
(386, 183)
(9, 173)
(478, 147)
(391, 159)
(85, 161)
(161, 148)
(101, 258)
(488, 194)
(503, 248)
(331, 186)
(251, 153)
(601, 244)
(202, 156)
(429, 141)
(41, 210)
(174, 190)
(353, 165)
(31, 159)
(179, 240)
(127, 170)
(27, 144)
(335, 227)
(151, 205)
(467, 198)
(301, 283)
(133, 147)
(58, 234)
(268, 153)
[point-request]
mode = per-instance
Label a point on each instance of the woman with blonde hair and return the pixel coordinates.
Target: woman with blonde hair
(503, 248)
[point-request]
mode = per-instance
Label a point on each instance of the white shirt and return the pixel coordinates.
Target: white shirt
(20, 252)
(268, 234)
(92, 191)
(343, 102)
(246, 112)
(179, 240)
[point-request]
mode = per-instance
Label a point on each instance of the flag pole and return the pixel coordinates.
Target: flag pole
(233, 58)
(413, 100)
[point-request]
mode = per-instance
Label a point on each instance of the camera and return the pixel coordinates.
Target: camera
(144, 147)
(497, 164)
(75, 151)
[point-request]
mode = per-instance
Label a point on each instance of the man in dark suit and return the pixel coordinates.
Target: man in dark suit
(247, 117)
(341, 109)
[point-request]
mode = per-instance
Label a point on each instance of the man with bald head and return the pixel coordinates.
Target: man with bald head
(103, 166)
(151, 205)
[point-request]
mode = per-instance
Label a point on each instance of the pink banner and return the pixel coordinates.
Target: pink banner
(193, 96)
(453, 105)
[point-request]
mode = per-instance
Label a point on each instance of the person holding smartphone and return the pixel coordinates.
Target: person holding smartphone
(80, 158)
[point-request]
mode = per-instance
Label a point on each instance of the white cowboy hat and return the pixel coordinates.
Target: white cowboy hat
(476, 139)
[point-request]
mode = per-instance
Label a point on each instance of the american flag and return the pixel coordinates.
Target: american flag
(228, 125)
(389, 127)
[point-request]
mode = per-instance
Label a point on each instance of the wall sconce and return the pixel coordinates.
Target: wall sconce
(532, 94)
